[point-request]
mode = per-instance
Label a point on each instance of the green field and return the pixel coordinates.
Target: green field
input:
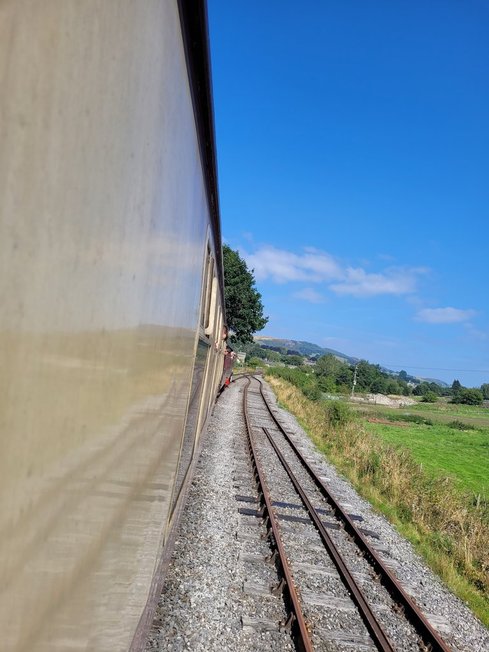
(442, 450)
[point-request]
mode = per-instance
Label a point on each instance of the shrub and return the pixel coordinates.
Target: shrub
(254, 362)
(410, 418)
(460, 425)
(468, 397)
(312, 392)
(338, 413)
(429, 397)
(301, 379)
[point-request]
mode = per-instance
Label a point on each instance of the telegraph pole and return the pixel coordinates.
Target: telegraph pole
(354, 381)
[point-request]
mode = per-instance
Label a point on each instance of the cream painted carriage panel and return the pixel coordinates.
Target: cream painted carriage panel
(103, 218)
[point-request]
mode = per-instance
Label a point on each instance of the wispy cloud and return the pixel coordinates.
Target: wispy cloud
(283, 266)
(310, 295)
(314, 266)
(394, 280)
(445, 315)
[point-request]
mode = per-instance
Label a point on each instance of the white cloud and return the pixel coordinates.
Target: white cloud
(444, 315)
(310, 295)
(314, 266)
(282, 266)
(359, 283)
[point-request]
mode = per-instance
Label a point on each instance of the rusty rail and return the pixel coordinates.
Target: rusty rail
(374, 627)
(429, 635)
(299, 626)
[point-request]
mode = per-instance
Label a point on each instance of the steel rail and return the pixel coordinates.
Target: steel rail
(412, 612)
(304, 642)
(374, 627)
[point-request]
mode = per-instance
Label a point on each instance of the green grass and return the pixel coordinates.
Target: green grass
(440, 412)
(442, 450)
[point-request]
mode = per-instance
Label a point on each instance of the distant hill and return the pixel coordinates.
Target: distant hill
(302, 348)
(313, 350)
(442, 383)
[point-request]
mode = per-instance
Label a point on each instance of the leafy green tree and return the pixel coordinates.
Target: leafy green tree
(422, 389)
(254, 362)
(430, 397)
(393, 387)
(327, 384)
(485, 390)
(366, 374)
(272, 356)
(258, 352)
(244, 308)
(328, 365)
(295, 360)
(468, 397)
(405, 389)
(344, 378)
(379, 386)
(438, 389)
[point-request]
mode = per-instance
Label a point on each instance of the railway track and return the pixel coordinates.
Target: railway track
(338, 591)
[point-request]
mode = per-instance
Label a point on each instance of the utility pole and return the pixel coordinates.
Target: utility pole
(354, 381)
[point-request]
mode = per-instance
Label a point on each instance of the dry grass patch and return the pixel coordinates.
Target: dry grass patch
(443, 523)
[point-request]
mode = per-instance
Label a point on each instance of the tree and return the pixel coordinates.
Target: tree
(468, 396)
(272, 356)
(366, 374)
(378, 386)
(485, 390)
(430, 397)
(328, 365)
(327, 384)
(423, 388)
(393, 387)
(456, 386)
(244, 308)
(295, 360)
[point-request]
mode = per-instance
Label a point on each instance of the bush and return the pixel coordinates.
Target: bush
(302, 380)
(312, 392)
(410, 418)
(254, 362)
(338, 413)
(468, 397)
(429, 397)
(460, 425)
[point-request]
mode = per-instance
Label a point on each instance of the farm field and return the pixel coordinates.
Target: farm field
(442, 449)
(440, 412)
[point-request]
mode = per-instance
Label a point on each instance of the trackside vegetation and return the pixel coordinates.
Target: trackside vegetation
(444, 513)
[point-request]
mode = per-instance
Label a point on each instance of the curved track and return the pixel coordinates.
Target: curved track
(268, 438)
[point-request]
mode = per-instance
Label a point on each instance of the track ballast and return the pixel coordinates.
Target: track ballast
(225, 588)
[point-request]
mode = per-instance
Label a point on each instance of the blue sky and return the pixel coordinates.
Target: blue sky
(353, 156)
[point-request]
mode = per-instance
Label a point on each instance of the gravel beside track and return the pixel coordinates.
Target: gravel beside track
(216, 592)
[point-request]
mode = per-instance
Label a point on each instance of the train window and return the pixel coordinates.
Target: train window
(212, 308)
(219, 324)
(206, 296)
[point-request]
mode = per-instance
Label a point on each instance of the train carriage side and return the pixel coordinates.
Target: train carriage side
(112, 308)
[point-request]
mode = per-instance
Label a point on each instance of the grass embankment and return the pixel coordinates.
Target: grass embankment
(446, 524)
